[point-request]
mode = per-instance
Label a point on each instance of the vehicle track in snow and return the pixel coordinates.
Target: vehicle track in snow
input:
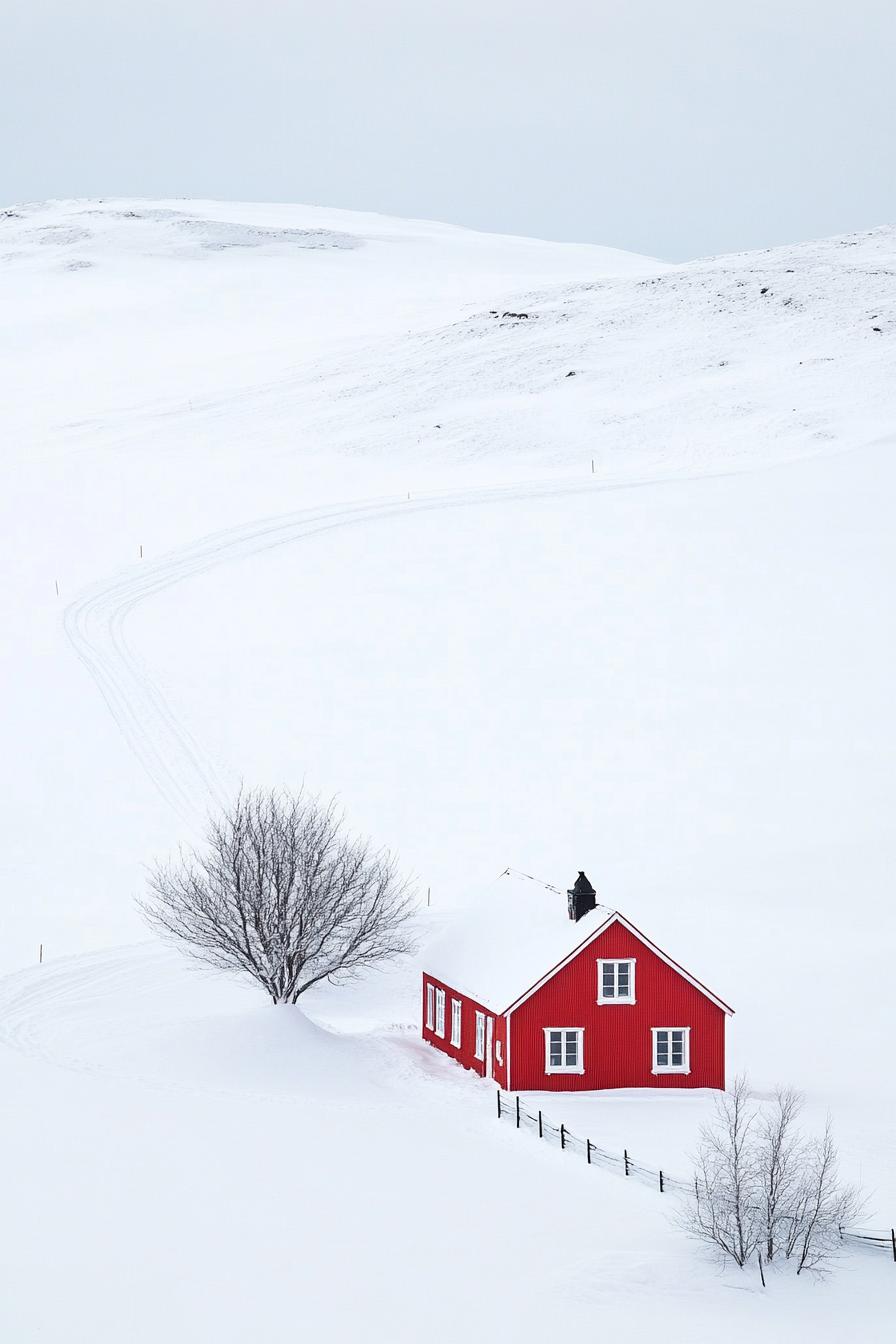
(96, 622)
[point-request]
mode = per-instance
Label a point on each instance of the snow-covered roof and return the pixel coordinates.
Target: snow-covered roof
(507, 938)
(516, 933)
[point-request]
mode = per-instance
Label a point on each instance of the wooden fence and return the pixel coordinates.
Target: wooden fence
(624, 1164)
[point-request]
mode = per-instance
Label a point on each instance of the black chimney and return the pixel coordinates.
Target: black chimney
(582, 898)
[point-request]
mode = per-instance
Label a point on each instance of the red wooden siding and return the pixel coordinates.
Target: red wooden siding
(618, 1041)
(465, 1053)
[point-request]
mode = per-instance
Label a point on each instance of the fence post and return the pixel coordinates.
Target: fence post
(588, 1150)
(540, 1126)
(661, 1180)
(562, 1136)
(625, 1158)
(893, 1239)
(517, 1111)
(761, 1270)
(499, 1103)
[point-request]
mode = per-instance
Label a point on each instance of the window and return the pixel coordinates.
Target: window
(616, 981)
(671, 1049)
(430, 1006)
(455, 1021)
(440, 1012)
(480, 1035)
(563, 1050)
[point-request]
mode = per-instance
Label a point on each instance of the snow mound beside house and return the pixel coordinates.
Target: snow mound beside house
(151, 1015)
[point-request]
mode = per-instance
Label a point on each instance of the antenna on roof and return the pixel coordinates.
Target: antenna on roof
(515, 872)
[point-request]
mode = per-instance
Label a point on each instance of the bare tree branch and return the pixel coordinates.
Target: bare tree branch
(723, 1212)
(780, 1163)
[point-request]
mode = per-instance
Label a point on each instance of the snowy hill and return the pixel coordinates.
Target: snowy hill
(389, 337)
(319, 504)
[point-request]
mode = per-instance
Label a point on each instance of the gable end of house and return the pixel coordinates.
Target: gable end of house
(616, 918)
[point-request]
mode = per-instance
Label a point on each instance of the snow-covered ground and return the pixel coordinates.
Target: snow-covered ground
(376, 558)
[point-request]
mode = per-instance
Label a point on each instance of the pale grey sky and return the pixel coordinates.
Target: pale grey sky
(674, 127)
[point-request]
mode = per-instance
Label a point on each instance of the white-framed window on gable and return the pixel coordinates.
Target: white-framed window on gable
(671, 1049)
(456, 1009)
(480, 1036)
(616, 981)
(430, 1007)
(564, 1050)
(440, 1012)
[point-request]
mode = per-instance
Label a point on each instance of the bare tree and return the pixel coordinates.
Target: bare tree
(283, 894)
(724, 1212)
(761, 1185)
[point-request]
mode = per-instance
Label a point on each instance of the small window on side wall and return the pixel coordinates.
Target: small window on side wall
(430, 1007)
(480, 1036)
(440, 1012)
(616, 981)
(456, 1009)
(671, 1049)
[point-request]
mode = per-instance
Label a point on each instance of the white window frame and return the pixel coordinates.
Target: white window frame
(616, 962)
(480, 1036)
(579, 1033)
(440, 1012)
(456, 1022)
(430, 1006)
(685, 1065)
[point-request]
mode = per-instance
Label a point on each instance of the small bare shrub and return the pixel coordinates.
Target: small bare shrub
(762, 1185)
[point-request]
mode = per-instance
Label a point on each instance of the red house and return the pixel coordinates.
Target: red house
(541, 999)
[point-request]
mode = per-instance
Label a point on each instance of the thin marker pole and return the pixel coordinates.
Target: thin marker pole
(40, 955)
